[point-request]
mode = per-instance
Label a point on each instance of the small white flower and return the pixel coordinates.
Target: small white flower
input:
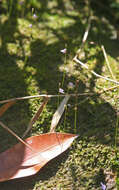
(61, 90)
(70, 85)
(64, 51)
(66, 69)
(92, 42)
(30, 25)
(21, 2)
(103, 186)
(34, 16)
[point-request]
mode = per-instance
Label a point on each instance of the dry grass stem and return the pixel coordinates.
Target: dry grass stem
(44, 95)
(14, 134)
(108, 89)
(93, 72)
(62, 95)
(107, 62)
(85, 36)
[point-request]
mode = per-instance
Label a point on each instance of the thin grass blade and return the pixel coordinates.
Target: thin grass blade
(58, 114)
(36, 116)
(5, 107)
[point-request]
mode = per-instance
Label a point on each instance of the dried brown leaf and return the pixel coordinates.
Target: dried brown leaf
(19, 161)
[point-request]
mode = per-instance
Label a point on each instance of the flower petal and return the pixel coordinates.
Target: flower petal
(64, 51)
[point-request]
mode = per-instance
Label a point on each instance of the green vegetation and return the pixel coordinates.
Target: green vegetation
(32, 33)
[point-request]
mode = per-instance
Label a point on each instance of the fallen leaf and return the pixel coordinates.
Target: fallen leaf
(20, 161)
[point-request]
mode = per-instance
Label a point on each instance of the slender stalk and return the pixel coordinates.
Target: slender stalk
(58, 99)
(64, 73)
(76, 102)
(75, 117)
(116, 132)
(10, 7)
(116, 135)
(26, 59)
(65, 116)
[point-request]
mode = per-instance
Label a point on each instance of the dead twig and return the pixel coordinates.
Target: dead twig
(43, 95)
(107, 62)
(62, 95)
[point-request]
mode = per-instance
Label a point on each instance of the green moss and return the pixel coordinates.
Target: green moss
(31, 63)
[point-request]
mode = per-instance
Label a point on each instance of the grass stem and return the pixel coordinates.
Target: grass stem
(116, 135)
(64, 73)
(10, 7)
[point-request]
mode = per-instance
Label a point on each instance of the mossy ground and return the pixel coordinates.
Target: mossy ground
(31, 63)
